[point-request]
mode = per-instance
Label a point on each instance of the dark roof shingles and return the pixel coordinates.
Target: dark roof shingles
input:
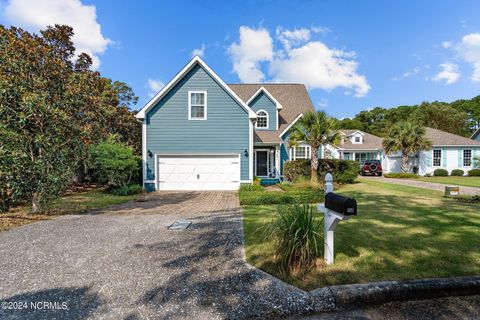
(294, 99)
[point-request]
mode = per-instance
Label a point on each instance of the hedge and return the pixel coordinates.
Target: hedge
(344, 171)
(276, 197)
(127, 190)
(401, 175)
(474, 173)
(440, 173)
(457, 172)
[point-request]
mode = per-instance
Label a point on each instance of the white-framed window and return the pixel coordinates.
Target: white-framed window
(300, 152)
(262, 119)
(357, 139)
(467, 157)
(437, 157)
(197, 105)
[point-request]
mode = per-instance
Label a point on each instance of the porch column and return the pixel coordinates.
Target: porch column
(277, 161)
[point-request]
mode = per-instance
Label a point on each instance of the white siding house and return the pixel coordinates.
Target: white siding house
(449, 151)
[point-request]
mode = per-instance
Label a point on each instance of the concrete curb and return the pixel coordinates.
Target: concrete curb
(348, 296)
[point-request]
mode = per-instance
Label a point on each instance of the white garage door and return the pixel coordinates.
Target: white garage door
(206, 172)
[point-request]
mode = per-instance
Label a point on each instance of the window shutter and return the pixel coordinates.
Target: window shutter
(429, 158)
(444, 157)
(320, 153)
(460, 158)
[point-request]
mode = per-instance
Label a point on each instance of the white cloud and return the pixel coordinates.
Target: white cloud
(199, 51)
(255, 46)
(290, 38)
(449, 73)
(299, 59)
(469, 50)
(154, 86)
(36, 15)
(446, 44)
(318, 66)
(323, 103)
(408, 74)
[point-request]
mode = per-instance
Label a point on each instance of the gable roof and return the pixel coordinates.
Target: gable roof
(475, 134)
(195, 61)
(265, 91)
(439, 138)
(442, 138)
(293, 97)
(369, 141)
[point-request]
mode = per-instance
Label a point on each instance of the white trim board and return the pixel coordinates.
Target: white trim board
(204, 104)
(195, 60)
(268, 94)
(290, 125)
(268, 119)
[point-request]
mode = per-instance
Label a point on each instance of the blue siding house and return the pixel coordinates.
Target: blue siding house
(199, 133)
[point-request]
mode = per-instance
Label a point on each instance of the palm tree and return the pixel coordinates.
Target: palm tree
(316, 129)
(407, 138)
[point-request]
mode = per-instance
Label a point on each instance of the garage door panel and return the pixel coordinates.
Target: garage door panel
(199, 172)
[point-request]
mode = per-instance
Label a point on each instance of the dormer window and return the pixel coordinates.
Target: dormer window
(357, 139)
(262, 119)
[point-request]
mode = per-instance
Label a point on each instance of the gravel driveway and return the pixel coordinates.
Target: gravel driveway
(125, 264)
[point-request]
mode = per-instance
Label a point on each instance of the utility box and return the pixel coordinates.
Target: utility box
(341, 204)
(452, 191)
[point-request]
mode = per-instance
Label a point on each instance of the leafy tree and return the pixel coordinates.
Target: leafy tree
(407, 138)
(440, 115)
(52, 107)
(316, 129)
(114, 163)
(472, 108)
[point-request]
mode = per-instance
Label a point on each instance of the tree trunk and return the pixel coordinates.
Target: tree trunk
(36, 205)
(314, 166)
(404, 163)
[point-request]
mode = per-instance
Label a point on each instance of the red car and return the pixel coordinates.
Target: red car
(373, 167)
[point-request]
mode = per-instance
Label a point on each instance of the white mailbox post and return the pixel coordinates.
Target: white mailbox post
(331, 219)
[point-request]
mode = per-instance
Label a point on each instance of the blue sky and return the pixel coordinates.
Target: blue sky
(353, 55)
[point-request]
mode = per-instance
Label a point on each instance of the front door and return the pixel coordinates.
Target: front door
(262, 163)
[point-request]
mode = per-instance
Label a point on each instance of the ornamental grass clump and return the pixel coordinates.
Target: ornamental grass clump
(297, 237)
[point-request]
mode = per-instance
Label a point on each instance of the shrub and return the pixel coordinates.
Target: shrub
(440, 173)
(251, 187)
(472, 199)
(344, 171)
(457, 172)
(114, 163)
(290, 196)
(127, 190)
(297, 237)
(401, 175)
(428, 175)
(292, 170)
(474, 173)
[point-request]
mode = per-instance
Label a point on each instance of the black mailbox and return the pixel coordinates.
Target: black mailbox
(341, 204)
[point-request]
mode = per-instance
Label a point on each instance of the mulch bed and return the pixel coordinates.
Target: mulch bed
(12, 220)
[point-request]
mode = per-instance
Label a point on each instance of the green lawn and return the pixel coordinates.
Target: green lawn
(70, 204)
(401, 232)
(287, 193)
(86, 201)
(459, 181)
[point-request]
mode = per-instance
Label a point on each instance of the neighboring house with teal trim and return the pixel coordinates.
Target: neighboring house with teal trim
(449, 151)
(199, 133)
